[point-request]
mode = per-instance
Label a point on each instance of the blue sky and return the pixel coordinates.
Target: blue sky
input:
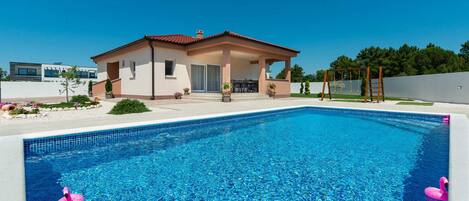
(72, 31)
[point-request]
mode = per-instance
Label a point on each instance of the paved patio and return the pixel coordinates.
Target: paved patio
(184, 108)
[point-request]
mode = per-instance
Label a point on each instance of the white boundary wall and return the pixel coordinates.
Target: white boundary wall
(314, 87)
(37, 89)
(448, 87)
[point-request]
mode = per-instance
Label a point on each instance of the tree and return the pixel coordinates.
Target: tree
(71, 81)
(343, 62)
(296, 74)
(309, 77)
(307, 91)
(464, 54)
(301, 88)
(464, 51)
(4, 75)
(434, 59)
(402, 63)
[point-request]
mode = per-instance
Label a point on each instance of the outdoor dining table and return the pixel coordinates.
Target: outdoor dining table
(244, 86)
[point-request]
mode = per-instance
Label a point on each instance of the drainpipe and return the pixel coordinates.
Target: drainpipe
(150, 42)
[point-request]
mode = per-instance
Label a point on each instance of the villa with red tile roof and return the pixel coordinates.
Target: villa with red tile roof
(156, 67)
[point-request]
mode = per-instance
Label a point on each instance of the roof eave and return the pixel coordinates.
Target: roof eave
(120, 47)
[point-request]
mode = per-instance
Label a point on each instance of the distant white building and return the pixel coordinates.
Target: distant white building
(41, 72)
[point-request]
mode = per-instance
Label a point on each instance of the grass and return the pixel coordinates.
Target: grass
(344, 97)
(415, 103)
(349, 100)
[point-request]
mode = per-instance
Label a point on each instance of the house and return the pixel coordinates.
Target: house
(43, 72)
(155, 67)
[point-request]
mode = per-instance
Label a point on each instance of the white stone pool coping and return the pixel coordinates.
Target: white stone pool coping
(12, 178)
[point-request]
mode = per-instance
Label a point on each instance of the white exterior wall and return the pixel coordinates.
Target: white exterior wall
(168, 85)
(38, 89)
(141, 85)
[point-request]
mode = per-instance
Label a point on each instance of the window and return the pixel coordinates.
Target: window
(93, 74)
(51, 73)
(27, 71)
(82, 74)
(132, 69)
(169, 68)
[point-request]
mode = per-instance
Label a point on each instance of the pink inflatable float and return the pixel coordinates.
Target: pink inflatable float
(434, 194)
(446, 119)
(71, 197)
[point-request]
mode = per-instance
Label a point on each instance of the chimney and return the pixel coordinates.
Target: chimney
(200, 34)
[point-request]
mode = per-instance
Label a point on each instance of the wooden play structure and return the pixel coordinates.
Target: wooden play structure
(373, 86)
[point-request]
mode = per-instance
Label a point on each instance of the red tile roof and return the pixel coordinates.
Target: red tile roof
(174, 38)
(181, 39)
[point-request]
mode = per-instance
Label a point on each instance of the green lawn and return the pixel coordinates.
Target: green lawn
(415, 103)
(343, 96)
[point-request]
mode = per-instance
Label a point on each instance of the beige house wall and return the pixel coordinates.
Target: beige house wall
(141, 84)
(244, 64)
(168, 85)
(243, 69)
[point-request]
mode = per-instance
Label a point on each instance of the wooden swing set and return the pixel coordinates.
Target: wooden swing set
(370, 87)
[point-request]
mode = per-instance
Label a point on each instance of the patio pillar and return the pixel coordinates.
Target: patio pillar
(287, 70)
(262, 79)
(226, 66)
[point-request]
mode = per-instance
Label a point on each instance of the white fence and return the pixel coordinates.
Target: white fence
(448, 87)
(37, 89)
(314, 87)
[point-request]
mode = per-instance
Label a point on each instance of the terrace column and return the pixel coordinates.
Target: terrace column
(287, 70)
(226, 65)
(262, 79)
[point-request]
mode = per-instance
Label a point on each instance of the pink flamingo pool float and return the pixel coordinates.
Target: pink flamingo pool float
(71, 197)
(433, 194)
(446, 119)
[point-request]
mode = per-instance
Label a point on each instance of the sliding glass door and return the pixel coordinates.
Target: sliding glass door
(213, 78)
(198, 78)
(205, 78)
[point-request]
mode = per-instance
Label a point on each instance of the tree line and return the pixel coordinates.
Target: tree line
(403, 61)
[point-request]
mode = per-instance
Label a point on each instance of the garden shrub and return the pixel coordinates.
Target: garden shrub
(363, 87)
(301, 88)
(82, 99)
(24, 111)
(307, 91)
(59, 105)
(128, 106)
(90, 87)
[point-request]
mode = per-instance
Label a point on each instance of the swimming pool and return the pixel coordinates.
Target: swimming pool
(303, 153)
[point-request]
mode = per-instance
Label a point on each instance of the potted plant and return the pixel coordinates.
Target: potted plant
(186, 91)
(226, 93)
(108, 87)
(178, 95)
(271, 90)
(90, 88)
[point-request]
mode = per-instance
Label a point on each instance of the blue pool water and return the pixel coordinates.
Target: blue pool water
(296, 154)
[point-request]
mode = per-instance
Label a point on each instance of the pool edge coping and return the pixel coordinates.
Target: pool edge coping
(458, 160)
